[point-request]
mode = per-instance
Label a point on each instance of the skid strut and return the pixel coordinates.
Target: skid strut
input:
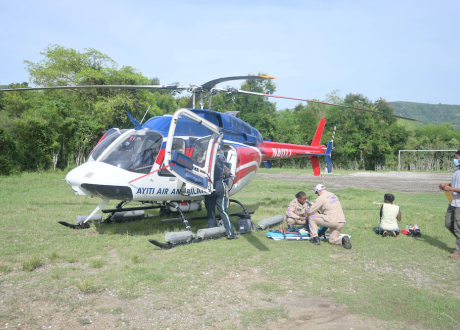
(187, 226)
(245, 214)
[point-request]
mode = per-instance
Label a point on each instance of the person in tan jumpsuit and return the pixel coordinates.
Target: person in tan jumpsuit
(296, 213)
(332, 217)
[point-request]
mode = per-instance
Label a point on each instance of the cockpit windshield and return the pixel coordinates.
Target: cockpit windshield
(137, 152)
(107, 140)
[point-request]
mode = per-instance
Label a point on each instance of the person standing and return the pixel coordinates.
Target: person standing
(452, 220)
(219, 198)
(332, 217)
(296, 213)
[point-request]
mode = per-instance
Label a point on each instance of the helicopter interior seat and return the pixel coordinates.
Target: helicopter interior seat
(179, 145)
(231, 156)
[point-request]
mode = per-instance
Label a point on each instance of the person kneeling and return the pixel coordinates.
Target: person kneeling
(332, 217)
(296, 213)
(389, 216)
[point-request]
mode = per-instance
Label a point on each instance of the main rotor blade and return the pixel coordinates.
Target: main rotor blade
(212, 83)
(326, 103)
(171, 87)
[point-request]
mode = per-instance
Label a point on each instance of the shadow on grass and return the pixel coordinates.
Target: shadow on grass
(436, 243)
(149, 227)
(255, 242)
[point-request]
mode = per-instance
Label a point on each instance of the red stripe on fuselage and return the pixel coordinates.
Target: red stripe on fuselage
(160, 157)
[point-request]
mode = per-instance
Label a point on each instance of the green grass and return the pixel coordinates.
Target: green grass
(5, 269)
(98, 263)
(32, 263)
(383, 278)
(85, 285)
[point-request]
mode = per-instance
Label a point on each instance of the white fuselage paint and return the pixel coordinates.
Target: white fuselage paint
(152, 187)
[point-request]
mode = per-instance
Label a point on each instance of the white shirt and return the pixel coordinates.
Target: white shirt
(455, 184)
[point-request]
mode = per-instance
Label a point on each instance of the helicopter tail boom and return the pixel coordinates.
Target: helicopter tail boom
(274, 150)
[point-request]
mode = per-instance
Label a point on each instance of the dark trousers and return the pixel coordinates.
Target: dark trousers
(218, 198)
(453, 224)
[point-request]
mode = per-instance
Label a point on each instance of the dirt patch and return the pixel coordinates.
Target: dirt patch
(218, 308)
(387, 181)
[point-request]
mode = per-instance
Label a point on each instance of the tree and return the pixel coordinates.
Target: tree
(59, 127)
(257, 111)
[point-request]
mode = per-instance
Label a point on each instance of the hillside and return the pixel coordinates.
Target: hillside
(429, 113)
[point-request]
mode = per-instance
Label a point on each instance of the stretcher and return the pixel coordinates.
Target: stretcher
(277, 236)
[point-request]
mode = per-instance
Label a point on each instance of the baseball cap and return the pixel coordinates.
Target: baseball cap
(319, 187)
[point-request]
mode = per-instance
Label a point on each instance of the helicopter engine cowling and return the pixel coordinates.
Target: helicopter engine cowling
(186, 206)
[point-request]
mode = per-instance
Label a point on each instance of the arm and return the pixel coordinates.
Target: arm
(227, 171)
(399, 215)
(447, 187)
(381, 208)
(314, 207)
(291, 214)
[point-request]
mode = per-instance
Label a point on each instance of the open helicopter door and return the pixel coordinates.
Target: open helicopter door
(196, 171)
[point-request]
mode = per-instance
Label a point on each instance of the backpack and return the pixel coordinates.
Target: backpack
(245, 225)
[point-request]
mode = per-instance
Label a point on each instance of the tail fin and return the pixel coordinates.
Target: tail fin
(319, 133)
(315, 164)
(316, 141)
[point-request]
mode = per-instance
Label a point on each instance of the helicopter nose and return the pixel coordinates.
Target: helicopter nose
(100, 179)
(73, 178)
(78, 176)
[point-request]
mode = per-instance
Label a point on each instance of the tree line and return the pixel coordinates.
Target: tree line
(57, 129)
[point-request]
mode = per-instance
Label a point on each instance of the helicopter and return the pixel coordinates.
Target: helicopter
(169, 160)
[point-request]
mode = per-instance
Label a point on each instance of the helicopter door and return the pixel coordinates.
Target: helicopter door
(196, 171)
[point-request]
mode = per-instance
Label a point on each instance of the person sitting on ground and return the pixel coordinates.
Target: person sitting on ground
(389, 216)
(332, 217)
(296, 213)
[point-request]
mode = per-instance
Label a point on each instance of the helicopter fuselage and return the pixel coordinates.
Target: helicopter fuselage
(130, 165)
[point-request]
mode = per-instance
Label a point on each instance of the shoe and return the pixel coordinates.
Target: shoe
(232, 237)
(315, 240)
(385, 234)
(346, 242)
(455, 255)
(392, 234)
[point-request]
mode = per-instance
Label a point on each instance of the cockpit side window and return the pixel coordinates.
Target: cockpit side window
(135, 153)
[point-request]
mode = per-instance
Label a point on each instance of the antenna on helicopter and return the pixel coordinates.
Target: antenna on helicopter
(145, 114)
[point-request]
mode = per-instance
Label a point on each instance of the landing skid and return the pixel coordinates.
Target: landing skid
(110, 218)
(73, 226)
(166, 246)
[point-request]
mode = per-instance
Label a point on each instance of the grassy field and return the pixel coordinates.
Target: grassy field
(109, 276)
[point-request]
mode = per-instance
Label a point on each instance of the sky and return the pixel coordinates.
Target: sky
(398, 50)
